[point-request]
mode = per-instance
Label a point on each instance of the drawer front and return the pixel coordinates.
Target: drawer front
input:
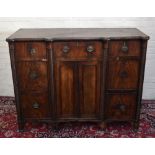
(123, 74)
(120, 106)
(35, 105)
(30, 50)
(78, 49)
(125, 48)
(32, 75)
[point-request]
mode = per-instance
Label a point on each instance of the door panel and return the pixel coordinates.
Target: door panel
(65, 89)
(89, 76)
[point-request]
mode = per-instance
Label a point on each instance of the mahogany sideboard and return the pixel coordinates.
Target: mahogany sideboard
(78, 74)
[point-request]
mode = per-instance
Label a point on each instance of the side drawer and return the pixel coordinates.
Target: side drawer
(30, 50)
(123, 74)
(32, 75)
(35, 105)
(125, 48)
(120, 106)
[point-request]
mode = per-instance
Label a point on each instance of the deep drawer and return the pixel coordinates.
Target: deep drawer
(125, 48)
(120, 106)
(30, 50)
(35, 105)
(123, 74)
(78, 49)
(32, 75)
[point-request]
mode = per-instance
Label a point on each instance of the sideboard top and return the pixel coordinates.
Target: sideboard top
(52, 34)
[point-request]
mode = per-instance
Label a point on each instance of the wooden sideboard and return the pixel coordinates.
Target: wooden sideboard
(78, 74)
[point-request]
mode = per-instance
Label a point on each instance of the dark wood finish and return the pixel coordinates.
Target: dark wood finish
(48, 34)
(77, 49)
(35, 105)
(123, 74)
(30, 51)
(141, 79)
(120, 106)
(65, 89)
(20, 117)
(90, 92)
(32, 75)
(78, 74)
(117, 46)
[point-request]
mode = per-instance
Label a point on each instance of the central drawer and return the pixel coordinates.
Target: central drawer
(78, 49)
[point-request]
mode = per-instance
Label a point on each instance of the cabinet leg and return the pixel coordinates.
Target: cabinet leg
(135, 126)
(21, 126)
(103, 125)
(55, 126)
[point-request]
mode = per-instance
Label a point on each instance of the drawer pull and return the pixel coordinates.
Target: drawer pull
(66, 49)
(124, 47)
(90, 49)
(121, 107)
(33, 75)
(32, 51)
(123, 74)
(117, 58)
(35, 105)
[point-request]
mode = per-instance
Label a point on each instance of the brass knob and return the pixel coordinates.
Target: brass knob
(35, 105)
(123, 74)
(65, 49)
(90, 49)
(33, 75)
(32, 51)
(124, 48)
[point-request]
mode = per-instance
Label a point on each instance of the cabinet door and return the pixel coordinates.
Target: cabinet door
(90, 92)
(65, 89)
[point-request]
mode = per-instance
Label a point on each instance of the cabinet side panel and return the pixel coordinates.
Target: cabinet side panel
(15, 83)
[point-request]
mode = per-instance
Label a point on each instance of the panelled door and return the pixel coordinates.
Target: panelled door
(78, 93)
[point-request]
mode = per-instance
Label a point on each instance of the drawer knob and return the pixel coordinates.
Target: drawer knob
(66, 49)
(124, 48)
(33, 75)
(35, 105)
(32, 51)
(123, 74)
(121, 107)
(90, 49)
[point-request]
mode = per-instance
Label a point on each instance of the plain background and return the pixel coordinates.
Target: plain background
(10, 25)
